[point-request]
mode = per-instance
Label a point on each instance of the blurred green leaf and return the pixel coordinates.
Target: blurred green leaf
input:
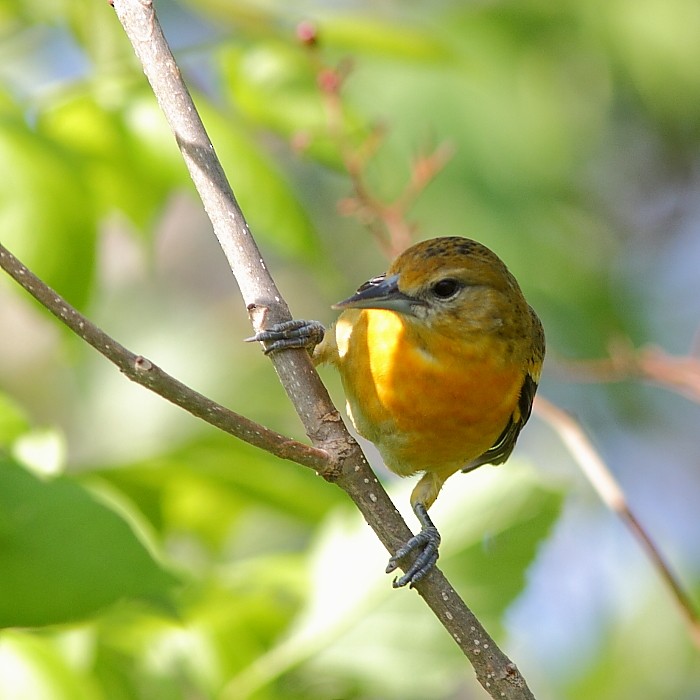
(126, 156)
(251, 607)
(214, 482)
(658, 49)
(399, 39)
(31, 668)
(63, 554)
(13, 420)
(46, 214)
(275, 84)
(490, 570)
(265, 195)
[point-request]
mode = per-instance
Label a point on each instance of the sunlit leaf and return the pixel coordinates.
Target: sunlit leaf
(31, 668)
(274, 84)
(390, 39)
(127, 156)
(209, 485)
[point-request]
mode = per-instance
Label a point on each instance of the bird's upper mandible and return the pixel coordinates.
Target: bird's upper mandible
(454, 286)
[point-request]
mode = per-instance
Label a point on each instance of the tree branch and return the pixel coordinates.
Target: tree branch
(602, 480)
(650, 363)
(144, 372)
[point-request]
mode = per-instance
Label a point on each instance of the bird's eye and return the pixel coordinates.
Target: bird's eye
(444, 289)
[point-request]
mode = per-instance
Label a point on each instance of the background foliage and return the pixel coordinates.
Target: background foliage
(145, 556)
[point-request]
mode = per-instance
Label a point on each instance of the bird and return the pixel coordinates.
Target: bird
(440, 359)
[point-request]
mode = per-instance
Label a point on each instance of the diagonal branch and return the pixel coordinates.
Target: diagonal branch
(598, 474)
(144, 372)
(679, 373)
(348, 468)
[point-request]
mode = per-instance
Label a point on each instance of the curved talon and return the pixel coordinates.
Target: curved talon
(290, 334)
(427, 542)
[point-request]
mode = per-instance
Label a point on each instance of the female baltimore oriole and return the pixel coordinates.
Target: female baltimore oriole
(440, 359)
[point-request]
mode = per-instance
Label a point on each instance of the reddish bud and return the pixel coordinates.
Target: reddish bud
(329, 80)
(301, 141)
(347, 206)
(423, 169)
(307, 33)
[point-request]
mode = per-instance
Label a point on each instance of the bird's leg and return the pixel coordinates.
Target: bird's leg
(290, 334)
(426, 542)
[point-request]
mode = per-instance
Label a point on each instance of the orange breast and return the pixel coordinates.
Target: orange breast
(428, 402)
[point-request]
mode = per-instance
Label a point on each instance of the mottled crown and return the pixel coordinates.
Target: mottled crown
(452, 254)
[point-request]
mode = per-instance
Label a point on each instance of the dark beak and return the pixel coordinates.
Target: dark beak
(380, 293)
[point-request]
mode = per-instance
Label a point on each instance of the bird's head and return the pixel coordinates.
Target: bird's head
(451, 285)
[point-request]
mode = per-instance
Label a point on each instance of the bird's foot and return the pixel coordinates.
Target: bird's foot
(426, 542)
(290, 334)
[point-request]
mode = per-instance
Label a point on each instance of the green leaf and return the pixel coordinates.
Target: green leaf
(32, 668)
(489, 551)
(265, 196)
(658, 48)
(13, 420)
(208, 485)
(275, 85)
(63, 554)
(46, 214)
(127, 156)
(400, 40)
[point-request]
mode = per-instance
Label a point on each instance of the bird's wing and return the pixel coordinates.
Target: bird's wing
(501, 449)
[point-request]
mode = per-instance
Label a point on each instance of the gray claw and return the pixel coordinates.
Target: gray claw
(290, 334)
(426, 542)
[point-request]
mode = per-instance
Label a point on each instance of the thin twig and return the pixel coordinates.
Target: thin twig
(142, 371)
(386, 221)
(610, 492)
(494, 670)
(679, 373)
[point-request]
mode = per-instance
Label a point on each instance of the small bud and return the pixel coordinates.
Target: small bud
(348, 206)
(142, 364)
(329, 80)
(307, 33)
(423, 168)
(301, 141)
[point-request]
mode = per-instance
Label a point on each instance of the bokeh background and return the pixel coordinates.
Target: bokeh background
(144, 555)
